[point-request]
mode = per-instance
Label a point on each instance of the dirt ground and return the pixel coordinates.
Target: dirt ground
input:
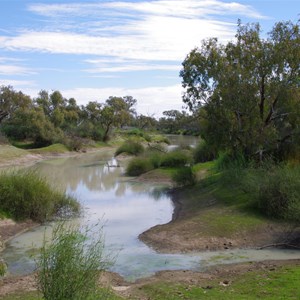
(129, 290)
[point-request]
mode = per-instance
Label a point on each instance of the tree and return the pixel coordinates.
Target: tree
(10, 101)
(247, 90)
(122, 108)
(32, 124)
(145, 122)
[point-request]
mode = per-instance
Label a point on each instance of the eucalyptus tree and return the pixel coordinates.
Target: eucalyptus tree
(247, 90)
(11, 101)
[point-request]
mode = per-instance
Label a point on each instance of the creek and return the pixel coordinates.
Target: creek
(126, 208)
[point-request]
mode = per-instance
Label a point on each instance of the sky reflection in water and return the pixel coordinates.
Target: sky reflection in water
(126, 208)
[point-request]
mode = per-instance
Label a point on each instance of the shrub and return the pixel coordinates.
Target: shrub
(155, 159)
(69, 267)
(227, 160)
(24, 194)
(203, 153)
(184, 177)
(174, 159)
(158, 138)
(130, 147)
(138, 166)
(279, 193)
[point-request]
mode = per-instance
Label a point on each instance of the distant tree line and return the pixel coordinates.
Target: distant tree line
(50, 118)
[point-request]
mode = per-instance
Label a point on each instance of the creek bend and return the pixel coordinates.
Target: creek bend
(127, 208)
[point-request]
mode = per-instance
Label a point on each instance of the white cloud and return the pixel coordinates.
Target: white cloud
(14, 70)
(186, 8)
(18, 84)
(133, 67)
(149, 30)
(150, 100)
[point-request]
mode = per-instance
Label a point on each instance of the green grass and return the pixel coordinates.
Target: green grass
(226, 223)
(207, 166)
(281, 283)
(34, 295)
(22, 295)
(26, 195)
(8, 152)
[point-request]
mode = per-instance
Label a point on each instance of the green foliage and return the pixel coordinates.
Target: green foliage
(155, 158)
(273, 189)
(69, 266)
(176, 122)
(24, 194)
(184, 177)
(228, 161)
(139, 133)
(138, 166)
(158, 138)
(246, 96)
(175, 159)
(31, 124)
(279, 193)
(130, 147)
(203, 152)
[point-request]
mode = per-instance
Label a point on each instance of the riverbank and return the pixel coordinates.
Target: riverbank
(208, 218)
(11, 157)
(200, 213)
(254, 280)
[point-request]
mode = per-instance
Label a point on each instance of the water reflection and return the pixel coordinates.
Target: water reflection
(128, 208)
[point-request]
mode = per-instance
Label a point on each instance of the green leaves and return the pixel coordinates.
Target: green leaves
(247, 90)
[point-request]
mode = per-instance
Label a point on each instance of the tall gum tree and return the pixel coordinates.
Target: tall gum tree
(247, 90)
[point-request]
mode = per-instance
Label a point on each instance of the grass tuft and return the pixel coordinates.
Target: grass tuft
(26, 195)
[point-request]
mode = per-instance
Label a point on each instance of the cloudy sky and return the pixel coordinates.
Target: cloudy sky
(91, 50)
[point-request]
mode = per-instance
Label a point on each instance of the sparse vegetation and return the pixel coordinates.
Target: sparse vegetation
(70, 264)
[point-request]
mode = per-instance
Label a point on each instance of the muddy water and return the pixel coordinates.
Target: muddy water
(127, 208)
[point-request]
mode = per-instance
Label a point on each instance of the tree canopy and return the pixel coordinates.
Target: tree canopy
(248, 90)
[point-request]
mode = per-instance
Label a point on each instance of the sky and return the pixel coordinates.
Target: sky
(90, 50)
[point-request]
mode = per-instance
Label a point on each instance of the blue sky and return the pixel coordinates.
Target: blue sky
(91, 50)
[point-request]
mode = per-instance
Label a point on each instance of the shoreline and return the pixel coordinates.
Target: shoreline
(163, 238)
(183, 233)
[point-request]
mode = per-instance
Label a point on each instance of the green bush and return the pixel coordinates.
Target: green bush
(227, 160)
(184, 177)
(70, 265)
(279, 193)
(175, 159)
(24, 194)
(138, 166)
(203, 153)
(155, 159)
(130, 147)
